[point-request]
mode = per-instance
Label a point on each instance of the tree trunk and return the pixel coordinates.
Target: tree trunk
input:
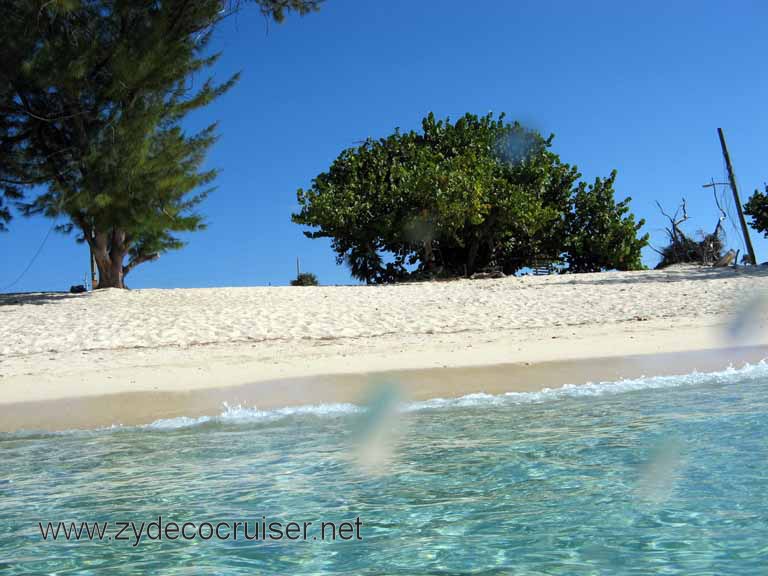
(474, 247)
(429, 256)
(111, 272)
(484, 233)
(109, 252)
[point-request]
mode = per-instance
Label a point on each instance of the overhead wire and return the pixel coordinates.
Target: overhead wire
(34, 257)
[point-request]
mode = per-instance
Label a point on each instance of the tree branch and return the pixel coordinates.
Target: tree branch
(139, 260)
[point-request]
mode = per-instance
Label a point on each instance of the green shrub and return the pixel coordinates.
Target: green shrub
(305, 279)
(460, 197)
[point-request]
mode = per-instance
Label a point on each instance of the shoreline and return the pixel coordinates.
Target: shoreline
(133, 408)
(86, 373)
(92, 356)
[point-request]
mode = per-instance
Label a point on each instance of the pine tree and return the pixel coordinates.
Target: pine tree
(92, 97)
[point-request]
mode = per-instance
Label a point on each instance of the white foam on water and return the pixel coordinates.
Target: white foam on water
(240, 414)
(748, 372)
(477, 399)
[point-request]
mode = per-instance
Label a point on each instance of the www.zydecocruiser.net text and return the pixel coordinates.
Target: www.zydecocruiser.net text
(261, 530)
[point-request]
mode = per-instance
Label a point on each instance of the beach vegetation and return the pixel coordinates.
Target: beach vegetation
(305, 279)
(93, 95)
(459, 197)
(706, 249)
(601, 233)
(757, 209)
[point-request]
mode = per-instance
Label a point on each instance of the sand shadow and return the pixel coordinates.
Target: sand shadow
(671, 275)
(21, 298)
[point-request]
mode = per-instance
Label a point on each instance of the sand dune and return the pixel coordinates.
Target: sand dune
(110, 319)
(59, 345)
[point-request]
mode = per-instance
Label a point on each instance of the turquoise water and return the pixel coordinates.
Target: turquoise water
(651, 476)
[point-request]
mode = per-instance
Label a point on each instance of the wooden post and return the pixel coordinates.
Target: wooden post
(739, 208)
(298, 271)
(94, 281)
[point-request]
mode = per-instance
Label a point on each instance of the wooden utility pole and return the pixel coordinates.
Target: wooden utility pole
(94, 280)
(732, 180)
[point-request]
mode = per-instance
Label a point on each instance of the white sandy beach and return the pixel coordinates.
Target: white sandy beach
(61, 346)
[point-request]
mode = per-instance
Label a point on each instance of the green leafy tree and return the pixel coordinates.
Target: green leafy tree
(757, 209)
(459, 197)
(92, 98)
(600, 232)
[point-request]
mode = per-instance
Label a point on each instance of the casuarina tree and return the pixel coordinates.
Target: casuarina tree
(92, 98)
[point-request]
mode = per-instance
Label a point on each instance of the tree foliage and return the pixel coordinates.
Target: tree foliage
(92, 98)
(459, 197)
(757, 209)
(305, 279)
(601, 233)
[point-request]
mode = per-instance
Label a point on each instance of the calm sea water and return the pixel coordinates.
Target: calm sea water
(651, 476)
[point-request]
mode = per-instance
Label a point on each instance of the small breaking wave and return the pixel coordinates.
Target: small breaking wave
(240, 414)
(243, 414)
(746, 372)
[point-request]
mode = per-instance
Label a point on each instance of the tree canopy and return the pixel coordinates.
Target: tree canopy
(92, 98)
(757, 209)
(459, 197)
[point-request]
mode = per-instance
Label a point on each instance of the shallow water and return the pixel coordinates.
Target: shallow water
(650, 476)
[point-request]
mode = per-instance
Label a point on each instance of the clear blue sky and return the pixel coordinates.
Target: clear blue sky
(636, 86)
